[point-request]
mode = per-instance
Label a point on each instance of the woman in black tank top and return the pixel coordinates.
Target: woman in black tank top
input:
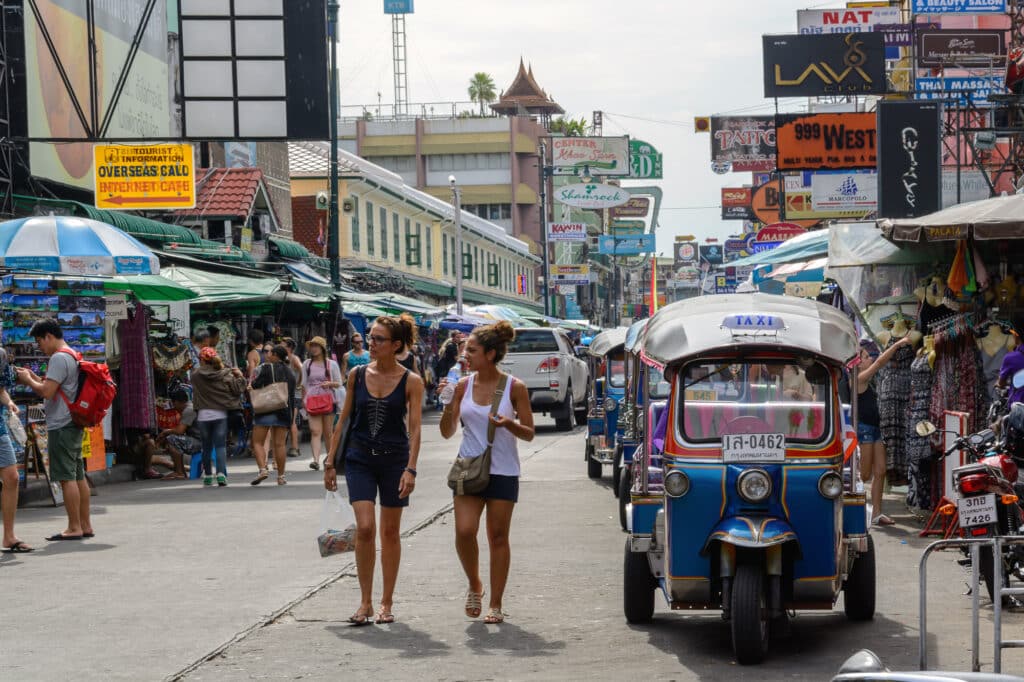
(380, 456)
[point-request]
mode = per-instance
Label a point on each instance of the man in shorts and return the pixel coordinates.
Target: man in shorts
(181, 441)
(64, 438)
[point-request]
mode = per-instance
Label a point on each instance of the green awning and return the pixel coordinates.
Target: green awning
(471, 296)
(149, 288)
(286, 248)
(432, 288)
(214, 287)
(364, 309)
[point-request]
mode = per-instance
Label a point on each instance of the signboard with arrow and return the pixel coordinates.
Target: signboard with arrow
(144, 177)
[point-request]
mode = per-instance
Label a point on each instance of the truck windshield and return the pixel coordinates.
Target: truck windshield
(755, 397)
(534, 341)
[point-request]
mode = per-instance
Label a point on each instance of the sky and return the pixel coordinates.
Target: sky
(649, 65)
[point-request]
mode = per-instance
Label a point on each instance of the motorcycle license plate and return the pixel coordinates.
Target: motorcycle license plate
(977, 511)
(746, 448)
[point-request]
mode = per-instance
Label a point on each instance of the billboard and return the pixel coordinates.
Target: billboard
(828, 64)
(645, 162)
(570, 274)
(591, 195)
(910, 165)
(958, 7)
(684, 254)
(636, 207)
(610, 245)
(591, 155)
(960, 88)
(853, 20)
(712, 254)
(844, 195)
(736, 203)
(826, 141)
(567, 232)
(768, 207)
(955, 47)
(973, 187)
(143, 110)
(745, 142)
(144, 177)
(398, 6)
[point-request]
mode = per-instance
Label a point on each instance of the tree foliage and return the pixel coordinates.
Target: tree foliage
(481, 90)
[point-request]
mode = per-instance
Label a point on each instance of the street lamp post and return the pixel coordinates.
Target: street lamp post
(333, 230)
(544, 227)
(457, 222)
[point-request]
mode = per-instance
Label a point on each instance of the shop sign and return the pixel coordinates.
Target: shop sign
(910, 167)
(636, 207)
(945, 233)
(144, 177)
(961, 88)
(736, 203)
(828, 64)
(958, 7)
(625, 227)
(570, 274)
(645, 162)
(711, 254)
(955, 47)
(245, 243)
(611, 245)
(590, 155)
(736, 248)
(687, 278)
(827, 141)
(117, 307)
(770, 236)
(591, 195)
(768, 209)
(973, 187)
(896, 35)
(848, 194)
(567, 232)
(851, 20)
(684, 253)
(745, 143)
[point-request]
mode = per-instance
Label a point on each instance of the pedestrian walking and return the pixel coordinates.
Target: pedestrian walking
(295, 365)
(254, 356)
(357, 357)
(274, 371)
(321, 378)
(215, 390)
(8, 460)
(383, 406)
(64, 437)
(472, 405)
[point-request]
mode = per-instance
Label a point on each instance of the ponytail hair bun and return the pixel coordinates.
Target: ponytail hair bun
(495, 337)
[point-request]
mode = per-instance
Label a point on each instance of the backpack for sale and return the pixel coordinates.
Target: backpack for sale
(95, 394)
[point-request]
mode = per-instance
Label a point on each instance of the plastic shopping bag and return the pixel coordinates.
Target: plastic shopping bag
(16, 430)
(337, 526)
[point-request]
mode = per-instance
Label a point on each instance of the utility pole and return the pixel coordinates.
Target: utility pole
(457, 203)
(333, 230)
(542, 167)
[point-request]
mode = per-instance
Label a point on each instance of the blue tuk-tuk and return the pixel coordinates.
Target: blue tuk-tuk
(607, 366)
(752, 504)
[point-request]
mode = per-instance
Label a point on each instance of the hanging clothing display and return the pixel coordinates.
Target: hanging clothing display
(893, 404)
(136, 387)
(958, 379)
(919, 450)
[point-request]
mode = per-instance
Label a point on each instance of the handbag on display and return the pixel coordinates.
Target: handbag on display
(270, 398)
(471, 475)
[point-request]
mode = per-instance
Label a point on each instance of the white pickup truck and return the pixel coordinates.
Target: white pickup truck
(543, 359)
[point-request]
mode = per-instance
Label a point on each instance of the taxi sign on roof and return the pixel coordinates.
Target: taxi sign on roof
(753, 322)
(144, 177)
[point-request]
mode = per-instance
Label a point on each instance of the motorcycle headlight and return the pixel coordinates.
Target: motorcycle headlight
(677, 484)
(610, 404)
(830, 485)
(754, 485)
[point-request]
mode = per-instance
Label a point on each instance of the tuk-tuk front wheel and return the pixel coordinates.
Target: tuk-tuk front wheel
(859, 589)
(638, 587)
(593, 466)
(749, 615)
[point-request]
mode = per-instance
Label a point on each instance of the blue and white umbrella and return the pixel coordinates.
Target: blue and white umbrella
(73, 246)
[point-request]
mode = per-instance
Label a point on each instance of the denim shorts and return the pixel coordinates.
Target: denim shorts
(271, 419)
(7, 456)
(501, 488)
(868, 433)
(366, 475)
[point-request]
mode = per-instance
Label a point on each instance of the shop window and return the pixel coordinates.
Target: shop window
(444, 254)
(369, 229)
(412, 247)
(354, 225)
(430, 247)
(492, 275)
(394, 232)
(467, 263)
(384, 233)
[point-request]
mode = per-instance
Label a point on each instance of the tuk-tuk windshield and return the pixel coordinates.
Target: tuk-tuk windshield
(726, 398)
(617, 369)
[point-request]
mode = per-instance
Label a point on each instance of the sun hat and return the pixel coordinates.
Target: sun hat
(317, 341)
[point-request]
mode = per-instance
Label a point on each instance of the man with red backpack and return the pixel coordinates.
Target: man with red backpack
(64, 437)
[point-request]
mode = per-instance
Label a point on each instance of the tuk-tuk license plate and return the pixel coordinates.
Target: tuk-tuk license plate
(745, 448)
(977, 511)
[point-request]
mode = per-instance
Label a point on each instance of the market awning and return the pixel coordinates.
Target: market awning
(213, 287)
(995, 218)
(149, 288)
(802, 247)
(306, 280)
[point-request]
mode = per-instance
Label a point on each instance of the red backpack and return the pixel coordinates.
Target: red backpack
(95, 394)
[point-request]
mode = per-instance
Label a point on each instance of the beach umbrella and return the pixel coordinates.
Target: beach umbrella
(73, 246)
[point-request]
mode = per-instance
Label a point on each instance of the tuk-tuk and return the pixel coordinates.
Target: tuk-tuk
(753, 504)
(607, 366)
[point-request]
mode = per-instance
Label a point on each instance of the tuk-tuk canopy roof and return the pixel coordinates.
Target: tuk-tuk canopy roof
(607, 341)
(634, 334)
(706, 324)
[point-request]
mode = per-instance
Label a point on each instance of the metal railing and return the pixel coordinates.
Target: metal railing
(413, 110)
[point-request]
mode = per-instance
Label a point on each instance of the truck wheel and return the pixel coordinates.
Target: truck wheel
(616, 471)
(637, 587)
(859, 589)
(581, 414)
(625, 483)
(593, 466)
(563, 417)
(749, 615)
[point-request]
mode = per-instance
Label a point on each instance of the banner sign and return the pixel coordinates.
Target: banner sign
(976, 88)
(896, 35)
(144, 177)
(712, 254)
(973, 187)
(745, 142)
(829, 64)
(570, 274)
(684, 254)
(853, 20)
(591, 195)
(768, 208)
(842, 195)
(610, 245)
(567, 232)
(593, 155)
(956, 47)
(958, 7)
(645, 162)
(770, 236)
(826, 141)
(624, 227)
(636, 207)
(736, 203)
(910, 167)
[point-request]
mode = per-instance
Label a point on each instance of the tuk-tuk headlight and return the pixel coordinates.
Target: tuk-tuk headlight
(610, 404)
(677, 484)
(754, 485)
(830, 485)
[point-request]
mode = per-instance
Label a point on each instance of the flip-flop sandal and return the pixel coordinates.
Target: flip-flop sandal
(281, 480)
(60, 536)
(314, 465)
(360, 618)
(88, 535)
(19, 547)
(494, 617)
(260, 477)
(384, 616)
(293, 452)
(474, 604)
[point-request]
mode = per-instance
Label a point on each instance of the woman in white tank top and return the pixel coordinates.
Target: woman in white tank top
(485, 348)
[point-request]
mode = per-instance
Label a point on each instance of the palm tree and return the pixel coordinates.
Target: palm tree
(481, 89)
(569, 127)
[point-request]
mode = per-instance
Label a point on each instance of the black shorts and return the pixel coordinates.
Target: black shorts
(501, 488)
(366, 475)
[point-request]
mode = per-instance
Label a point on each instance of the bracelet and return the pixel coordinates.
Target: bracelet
(411, 471)
(328, 468)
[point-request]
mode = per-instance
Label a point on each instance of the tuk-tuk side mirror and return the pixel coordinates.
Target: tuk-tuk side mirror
(925, 428)
(599, 389)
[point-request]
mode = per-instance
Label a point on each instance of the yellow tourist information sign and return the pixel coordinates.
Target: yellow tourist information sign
(144, 177)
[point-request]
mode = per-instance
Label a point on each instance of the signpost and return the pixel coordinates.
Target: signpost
(144, 177)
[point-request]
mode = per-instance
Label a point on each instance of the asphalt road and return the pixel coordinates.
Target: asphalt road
(183, 582)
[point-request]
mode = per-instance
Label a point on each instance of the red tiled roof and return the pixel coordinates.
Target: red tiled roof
(224, 192)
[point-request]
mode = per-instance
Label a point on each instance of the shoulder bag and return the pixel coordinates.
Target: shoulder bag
(321, 403)
(471, 475)
(339, 454)
(270, 398)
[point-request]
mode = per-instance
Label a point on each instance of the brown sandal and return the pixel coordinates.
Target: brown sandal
(474, 604)
(494, 617)
(384, 616)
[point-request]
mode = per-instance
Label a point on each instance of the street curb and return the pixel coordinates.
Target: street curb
(37, 490)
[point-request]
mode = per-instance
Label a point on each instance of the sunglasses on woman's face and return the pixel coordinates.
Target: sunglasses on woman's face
(374, 338)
